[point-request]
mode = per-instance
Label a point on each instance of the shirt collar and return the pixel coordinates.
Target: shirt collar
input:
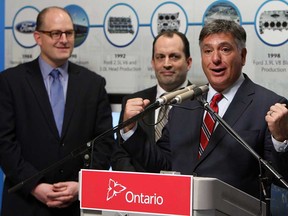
(46, 69)
(161, 91)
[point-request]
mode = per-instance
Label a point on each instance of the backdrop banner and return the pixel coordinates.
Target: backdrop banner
(114, 38)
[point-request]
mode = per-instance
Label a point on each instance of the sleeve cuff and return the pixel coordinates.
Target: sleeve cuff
(128, 134)
(280, 146)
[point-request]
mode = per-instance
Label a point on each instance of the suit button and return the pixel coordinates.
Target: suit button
(86, 157)
(63, 144)
(61, 171)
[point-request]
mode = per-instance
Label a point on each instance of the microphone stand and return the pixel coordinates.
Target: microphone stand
(87, 146)
(241, 141)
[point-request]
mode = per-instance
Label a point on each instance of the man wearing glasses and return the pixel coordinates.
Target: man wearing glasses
(50, 107)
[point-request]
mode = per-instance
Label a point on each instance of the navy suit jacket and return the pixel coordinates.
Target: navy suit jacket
(224, 158)
(280, 162)
(29, 140)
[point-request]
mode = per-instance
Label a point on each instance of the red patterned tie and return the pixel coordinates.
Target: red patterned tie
(208, 124)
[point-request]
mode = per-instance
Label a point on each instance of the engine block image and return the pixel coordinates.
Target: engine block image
(222, 11)
(168, 21)
(121, 25)
(273, 20)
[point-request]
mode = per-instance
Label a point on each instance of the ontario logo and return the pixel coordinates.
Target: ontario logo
(115, 188)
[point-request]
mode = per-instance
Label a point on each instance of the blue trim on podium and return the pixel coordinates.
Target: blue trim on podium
(1, 187)
(2, 48)
(2, 22)
(279, 200)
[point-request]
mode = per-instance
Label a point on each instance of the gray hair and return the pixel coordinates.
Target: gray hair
(224, 26)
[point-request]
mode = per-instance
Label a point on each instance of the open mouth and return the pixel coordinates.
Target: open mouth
(218, 70)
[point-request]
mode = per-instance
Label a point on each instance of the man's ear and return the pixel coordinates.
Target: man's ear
(37, 37)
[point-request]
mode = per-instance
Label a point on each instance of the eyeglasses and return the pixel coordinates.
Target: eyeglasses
(56, 35)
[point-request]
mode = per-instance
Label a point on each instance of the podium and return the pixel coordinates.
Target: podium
(111, 193)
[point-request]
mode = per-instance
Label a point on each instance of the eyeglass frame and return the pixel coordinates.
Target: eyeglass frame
(50, 33)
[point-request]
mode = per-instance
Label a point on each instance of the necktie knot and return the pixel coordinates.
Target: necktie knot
(214, 102)
(217, 97)
(55, 73)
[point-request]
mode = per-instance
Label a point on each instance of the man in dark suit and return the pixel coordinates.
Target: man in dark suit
(171, 62)
(243, 106)
(29, 138)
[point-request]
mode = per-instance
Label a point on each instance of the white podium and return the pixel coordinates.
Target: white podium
(209, 197)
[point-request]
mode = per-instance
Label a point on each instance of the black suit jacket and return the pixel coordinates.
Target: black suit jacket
(29, 140)
(224, 158)
(121, 160)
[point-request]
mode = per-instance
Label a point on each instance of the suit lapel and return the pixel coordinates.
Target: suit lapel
(196, 126)
(149, 119)
(71, 97)
(35, 80)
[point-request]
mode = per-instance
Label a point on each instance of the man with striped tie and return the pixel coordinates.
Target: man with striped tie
(171, 62)
(243, 106)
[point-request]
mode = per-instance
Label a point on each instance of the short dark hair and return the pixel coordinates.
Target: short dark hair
(224, 26)
(41, 16)
(170, 34)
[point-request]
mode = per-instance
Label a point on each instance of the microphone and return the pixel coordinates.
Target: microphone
(191, 94)
(169, 96)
